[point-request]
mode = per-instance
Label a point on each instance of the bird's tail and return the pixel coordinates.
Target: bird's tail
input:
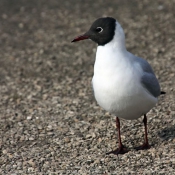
(162, 92)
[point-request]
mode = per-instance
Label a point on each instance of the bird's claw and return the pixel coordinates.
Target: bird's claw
(121, 150)
(143, 147)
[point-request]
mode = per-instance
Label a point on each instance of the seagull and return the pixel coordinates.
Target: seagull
(123, 84)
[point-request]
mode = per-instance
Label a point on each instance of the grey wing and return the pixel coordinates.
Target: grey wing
(151, 84)
(145, 65)
(148, 79)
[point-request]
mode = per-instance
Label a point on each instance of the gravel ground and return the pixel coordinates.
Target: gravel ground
(49, 120)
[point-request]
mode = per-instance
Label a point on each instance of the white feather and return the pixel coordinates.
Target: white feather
(117, 80)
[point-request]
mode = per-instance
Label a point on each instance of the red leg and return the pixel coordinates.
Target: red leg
(121, 149)
(145, 144)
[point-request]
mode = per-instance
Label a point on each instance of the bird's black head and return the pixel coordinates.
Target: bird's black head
(102, 31)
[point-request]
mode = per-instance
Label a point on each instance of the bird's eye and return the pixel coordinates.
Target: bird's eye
(99, 29)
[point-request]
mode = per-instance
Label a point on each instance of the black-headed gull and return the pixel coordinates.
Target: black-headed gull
(123, 84)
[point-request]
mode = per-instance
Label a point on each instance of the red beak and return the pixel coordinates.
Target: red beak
(78, 38)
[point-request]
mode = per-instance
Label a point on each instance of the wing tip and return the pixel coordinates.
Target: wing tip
(162, 92)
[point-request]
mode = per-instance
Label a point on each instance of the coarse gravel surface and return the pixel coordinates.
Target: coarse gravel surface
(49, 120)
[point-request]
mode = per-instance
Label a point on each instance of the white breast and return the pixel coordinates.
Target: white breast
(116, 84)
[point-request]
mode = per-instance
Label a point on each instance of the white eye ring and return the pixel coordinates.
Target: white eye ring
(101, 29)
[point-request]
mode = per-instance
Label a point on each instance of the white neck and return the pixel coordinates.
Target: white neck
(112, 54)
(118, 42)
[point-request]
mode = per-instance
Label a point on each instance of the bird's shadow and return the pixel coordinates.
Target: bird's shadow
(167, 133)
